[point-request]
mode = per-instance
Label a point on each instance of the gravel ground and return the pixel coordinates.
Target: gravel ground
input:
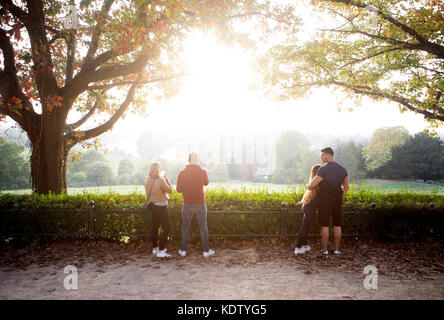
(258, 269)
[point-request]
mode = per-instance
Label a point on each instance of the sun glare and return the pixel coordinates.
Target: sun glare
(216, 94)
(217, 100)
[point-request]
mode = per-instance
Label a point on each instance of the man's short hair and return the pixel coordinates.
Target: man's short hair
(328, 150)
(193, 158)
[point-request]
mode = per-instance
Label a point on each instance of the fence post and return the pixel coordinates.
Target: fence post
(284, 213)
(3, 225)
(373, 228)
(91, 220)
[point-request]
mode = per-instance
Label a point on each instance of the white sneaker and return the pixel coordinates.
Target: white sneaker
(208, 253)
(306, 248)
(299, 251)
(163, 254)
(182, 253)
(155, 250)
(324, 253)
(337, 252)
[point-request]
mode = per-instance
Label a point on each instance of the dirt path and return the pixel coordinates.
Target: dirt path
(253, 270)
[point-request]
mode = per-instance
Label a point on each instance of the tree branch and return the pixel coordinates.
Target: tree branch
(102, 58)
(9, 85)
(17, 117)
(71, 48)
(123, 83)
(385, 16)
(349, 20)
(57, 34)
(8, 54)
(369, 57)
(81, 81)
(16, 11)
(364, 90)
(108, 124)
(91, 133)
(94, 45)
(423, 44)
(41, 54)
(77, 124)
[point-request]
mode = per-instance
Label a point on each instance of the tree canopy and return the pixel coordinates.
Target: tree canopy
(382, 49)
(379, 150)
(14, 167)
(421, 157)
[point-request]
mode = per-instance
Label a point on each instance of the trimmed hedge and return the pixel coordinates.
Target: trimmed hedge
(395, 216)
(220, 198)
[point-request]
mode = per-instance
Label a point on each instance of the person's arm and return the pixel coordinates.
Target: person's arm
(313, 183)
(345, 186)
(206, 180)
(179, 187)
(146, 189)
(166, 185)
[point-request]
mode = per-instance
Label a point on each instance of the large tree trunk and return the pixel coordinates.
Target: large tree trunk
(48, 168)
(48, 159)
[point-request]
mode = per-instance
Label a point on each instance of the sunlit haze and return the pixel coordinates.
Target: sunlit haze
(217, 99)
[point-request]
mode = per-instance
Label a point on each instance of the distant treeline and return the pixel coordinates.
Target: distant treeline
(391, 153)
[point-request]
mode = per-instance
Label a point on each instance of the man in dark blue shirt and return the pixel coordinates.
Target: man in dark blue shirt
(330, 204)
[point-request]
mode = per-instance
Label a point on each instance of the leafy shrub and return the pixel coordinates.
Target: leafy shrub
(396, 215)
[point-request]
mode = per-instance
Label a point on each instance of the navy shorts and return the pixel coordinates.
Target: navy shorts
(330, 211)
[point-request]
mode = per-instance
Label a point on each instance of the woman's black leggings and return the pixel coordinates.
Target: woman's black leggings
(309, 211)
(160, 218)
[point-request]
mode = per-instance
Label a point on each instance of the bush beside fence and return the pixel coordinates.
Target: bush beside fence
(32, 217)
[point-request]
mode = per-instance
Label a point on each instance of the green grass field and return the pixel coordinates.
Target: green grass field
(378, 185)
(398, 186)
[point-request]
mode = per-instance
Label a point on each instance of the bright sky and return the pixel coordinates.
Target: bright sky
(216, 99)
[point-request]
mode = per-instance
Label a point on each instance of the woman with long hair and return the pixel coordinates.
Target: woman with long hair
(309, 207)
(157, 187)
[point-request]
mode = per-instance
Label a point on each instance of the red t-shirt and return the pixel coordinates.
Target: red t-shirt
(190, 183)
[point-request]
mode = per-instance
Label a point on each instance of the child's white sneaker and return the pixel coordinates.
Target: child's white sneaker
(299, 250)
(208, 253)
(182, 253)
(163, 254)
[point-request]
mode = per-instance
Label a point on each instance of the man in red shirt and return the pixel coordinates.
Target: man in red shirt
(190, 183)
